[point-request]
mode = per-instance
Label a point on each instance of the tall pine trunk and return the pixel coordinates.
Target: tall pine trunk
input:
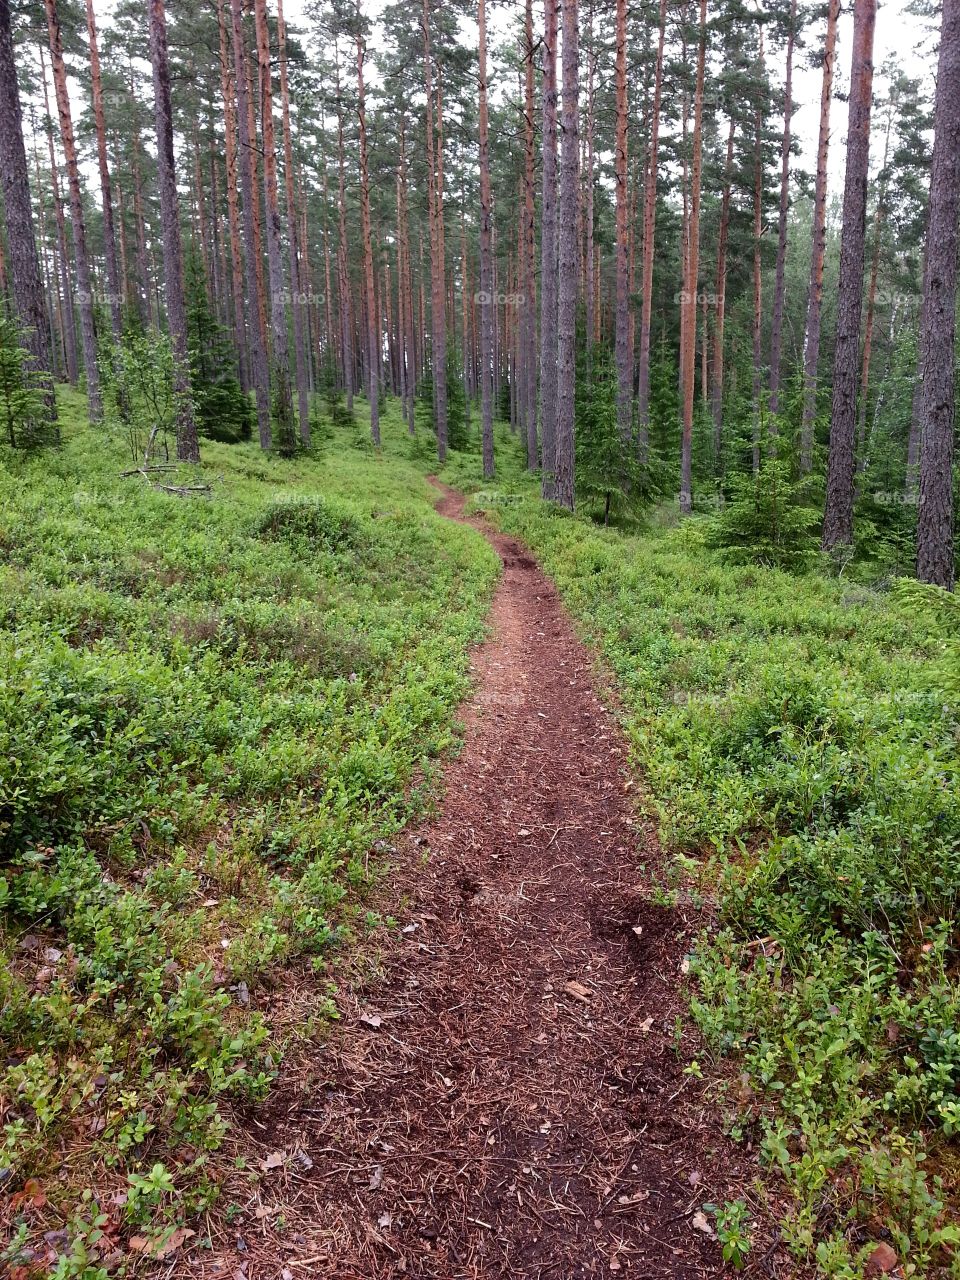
(838, 511)
(486, 258)
(938, 324)
(548, 257)
(373, 327)
(649, 232)
(438, 315)
(298, 301)
(811, 336)
(100, 128)
(88, 328)
(188, 448)
(25, 271)
(779, 285)
(259, 367)
(689, 351)
(233, 210)
(716, 386)
(624, 352)
(567, 256)
(528, 315)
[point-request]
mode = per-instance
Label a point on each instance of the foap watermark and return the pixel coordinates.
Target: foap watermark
(684, 298)
(299, 298)
(98, 298)
(483, 299)
(895, 498)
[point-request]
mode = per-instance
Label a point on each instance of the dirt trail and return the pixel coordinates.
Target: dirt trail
(505, 1099)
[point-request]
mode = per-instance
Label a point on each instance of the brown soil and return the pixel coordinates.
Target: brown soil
(506, 1097)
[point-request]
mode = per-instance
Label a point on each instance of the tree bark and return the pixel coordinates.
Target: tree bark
(528, 315)
(811, 337)
(438, 317)
(757, 331)
(838, 512)
(548, 258)
(188, 447)
(25, 271)
(689, 353)
(716, 391)
(68, 324)
(567, 290)
(486, 258)
(624, 352)
(779, 286)
(373, 327)
(100, 128)
(649, 231)
(935, 561)
(259, 368)
(233, 210)
(88, 328)
(298, 302)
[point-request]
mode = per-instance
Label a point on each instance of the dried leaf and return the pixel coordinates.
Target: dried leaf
(578, 991)
(376, 1177)
(273, 1161)
(881, 1262)
(699, 1223)
(371, 1020)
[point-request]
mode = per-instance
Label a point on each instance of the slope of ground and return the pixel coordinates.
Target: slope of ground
(511, 1096)
(212, 711)
(797, 746)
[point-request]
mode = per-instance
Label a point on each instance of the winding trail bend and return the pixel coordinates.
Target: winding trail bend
(505, 1098)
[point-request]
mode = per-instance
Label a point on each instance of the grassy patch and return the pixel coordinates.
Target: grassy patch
(799, 746)
(212, 709)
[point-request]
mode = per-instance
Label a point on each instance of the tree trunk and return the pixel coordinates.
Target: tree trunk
(486, 258)
(567, 291)
(373, 327)
(188, 447)
(528, 314)
(109, 236)
(590, 283)
(68, 324)
(811, 336)
(25, 270)
(624, 353)
(716, 392)
(259, 368)
(779, 287)
(937, 331)
(757, 331)
(438, 318)
(649, 229)
(233, 211)
(838, 512)
(81, 260)
(689, 352)
(879, 217)
(548, 258)
(296, 281)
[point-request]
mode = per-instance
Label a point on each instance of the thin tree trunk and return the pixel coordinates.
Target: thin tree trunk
(649, 230)
(756, 332)
(779, 287)
(259, 368)
(346, 309)
(438, 354)
(296, 282)
(716, 395)
(548, 258)
(590, 284)
(486, 259)
(25, 270)
(528, 315)
(811, 337)
(935, 561)
(188, 447)
(567, 291)
(373, 327)
(68, 322)
(879, 217)
(838, 512)
(88, 328)
(690, 288)
(109, 236)
(624, 353)
(233, 211)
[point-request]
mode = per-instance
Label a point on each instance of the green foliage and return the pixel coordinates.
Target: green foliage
(797, 738)
(769, 520)
(138, 385)
(210, 715)
(609, 473)
(458, 434)
(223, 411)
(23, 409)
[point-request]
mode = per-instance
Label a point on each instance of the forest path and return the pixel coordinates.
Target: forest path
(505, 1098)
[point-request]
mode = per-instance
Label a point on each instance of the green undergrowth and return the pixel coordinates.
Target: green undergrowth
(213, 710)
(798, 741)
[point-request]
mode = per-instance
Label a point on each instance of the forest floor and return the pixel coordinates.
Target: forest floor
(509, 1093)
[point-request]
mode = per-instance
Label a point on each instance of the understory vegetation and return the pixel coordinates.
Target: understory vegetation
(216, 711)
(797, 737)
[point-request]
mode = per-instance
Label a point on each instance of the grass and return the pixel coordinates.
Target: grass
(798, 742)
(213, 711)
